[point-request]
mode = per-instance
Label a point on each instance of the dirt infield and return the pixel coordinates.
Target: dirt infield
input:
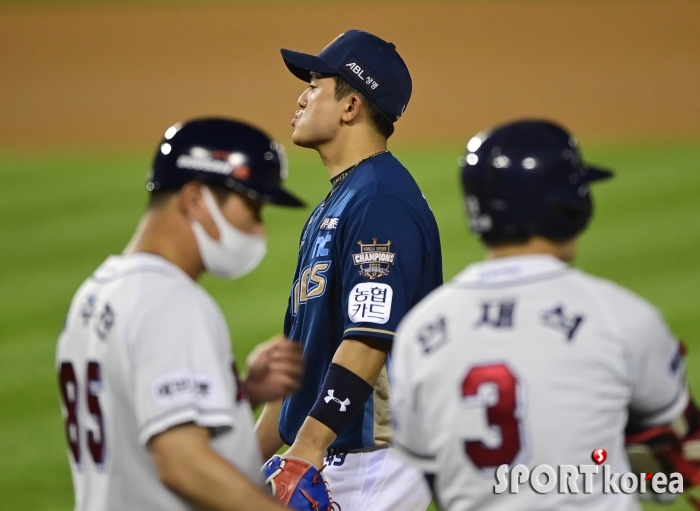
(118, 76)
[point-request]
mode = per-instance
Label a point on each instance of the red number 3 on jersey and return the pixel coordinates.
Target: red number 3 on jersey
(501, 414)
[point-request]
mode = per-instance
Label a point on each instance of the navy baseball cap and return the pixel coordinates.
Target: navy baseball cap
(366, 62)
(222, 152)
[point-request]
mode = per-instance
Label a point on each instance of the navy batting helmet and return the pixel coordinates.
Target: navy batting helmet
(222, 152)
(527, 178)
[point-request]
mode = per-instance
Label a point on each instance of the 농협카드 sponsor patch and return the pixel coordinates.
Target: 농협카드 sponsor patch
(183, 386)
(370, 302)
(374, 259)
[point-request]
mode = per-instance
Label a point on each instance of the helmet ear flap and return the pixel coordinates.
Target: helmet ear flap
(573, 217)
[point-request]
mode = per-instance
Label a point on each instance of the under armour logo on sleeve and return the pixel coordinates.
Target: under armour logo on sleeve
(343, 404)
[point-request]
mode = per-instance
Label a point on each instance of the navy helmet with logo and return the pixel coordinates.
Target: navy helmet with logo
(366, 62)
(222, 152)
(527, 178)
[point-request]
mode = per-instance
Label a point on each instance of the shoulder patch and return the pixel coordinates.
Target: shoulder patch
(183, 386)
(374, 259)
(370, 303)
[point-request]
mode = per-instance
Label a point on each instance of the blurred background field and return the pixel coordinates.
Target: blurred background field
(87, 88)
(59, 228)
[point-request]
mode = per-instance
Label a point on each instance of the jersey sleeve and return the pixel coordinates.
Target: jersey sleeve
(181, 367)
(659, 390)
(410, 436)
(381, 259)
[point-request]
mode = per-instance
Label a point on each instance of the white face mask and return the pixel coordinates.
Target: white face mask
(235, 253)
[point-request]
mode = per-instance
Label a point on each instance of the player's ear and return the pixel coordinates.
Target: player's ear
(352, 104)
(190, 201)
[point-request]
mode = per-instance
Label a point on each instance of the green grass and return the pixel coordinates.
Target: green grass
(63, 214)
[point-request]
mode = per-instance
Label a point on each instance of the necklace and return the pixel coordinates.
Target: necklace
(335, 182)
(341, 177)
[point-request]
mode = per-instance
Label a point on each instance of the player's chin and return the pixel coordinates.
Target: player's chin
(302, 140)
(306, 138)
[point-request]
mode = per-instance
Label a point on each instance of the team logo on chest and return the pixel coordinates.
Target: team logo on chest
(375, 259)
(328, 224)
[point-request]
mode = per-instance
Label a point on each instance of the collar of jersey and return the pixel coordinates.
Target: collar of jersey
(511, 270)
(140, 262)
(335, 181)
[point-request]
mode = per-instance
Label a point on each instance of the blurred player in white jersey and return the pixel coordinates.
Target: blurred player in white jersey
(155, 415)
(522, 359)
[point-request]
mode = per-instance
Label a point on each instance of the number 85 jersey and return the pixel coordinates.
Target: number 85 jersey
(145, 349)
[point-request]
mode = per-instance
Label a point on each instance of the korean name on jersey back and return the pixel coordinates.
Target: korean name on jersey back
(547, 358)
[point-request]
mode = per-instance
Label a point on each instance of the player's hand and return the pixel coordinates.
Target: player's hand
(298, 484)
(274, 370)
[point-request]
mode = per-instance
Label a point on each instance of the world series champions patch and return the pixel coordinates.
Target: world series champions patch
(374, 259)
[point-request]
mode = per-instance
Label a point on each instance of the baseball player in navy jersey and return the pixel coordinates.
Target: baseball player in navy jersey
(369, 252)
(523, 360)
(155, 416)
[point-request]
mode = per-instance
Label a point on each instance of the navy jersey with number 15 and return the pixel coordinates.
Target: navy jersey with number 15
(368, 253)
